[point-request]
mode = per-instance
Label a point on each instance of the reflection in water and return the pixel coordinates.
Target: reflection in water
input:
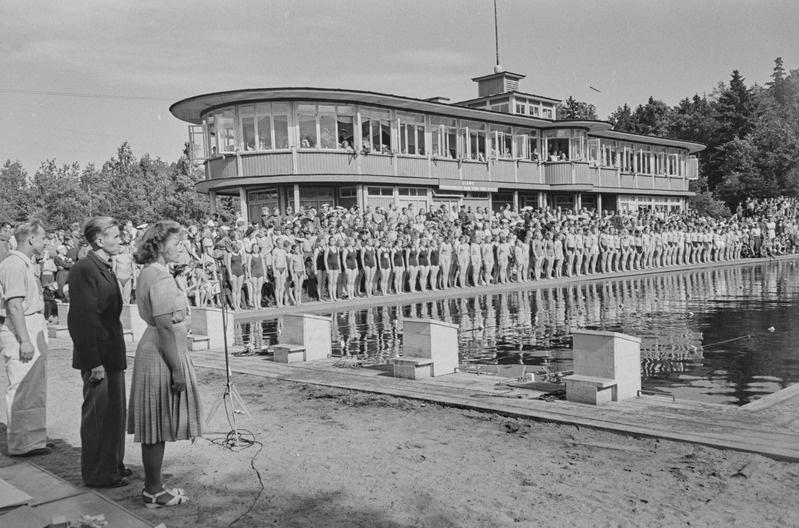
(676, 315)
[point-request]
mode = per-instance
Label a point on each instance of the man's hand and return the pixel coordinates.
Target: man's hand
(98, 373)
(26, 351)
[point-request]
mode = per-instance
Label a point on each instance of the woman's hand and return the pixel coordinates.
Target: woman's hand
(178, 382)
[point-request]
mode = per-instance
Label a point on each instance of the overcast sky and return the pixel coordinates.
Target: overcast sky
(150, 54)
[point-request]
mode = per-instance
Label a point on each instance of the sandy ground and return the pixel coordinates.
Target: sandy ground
(337, 458)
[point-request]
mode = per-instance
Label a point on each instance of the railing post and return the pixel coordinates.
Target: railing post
(294, 160)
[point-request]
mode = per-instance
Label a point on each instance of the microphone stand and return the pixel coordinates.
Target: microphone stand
(230, 392)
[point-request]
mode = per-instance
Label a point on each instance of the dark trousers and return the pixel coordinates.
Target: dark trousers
(102, 428)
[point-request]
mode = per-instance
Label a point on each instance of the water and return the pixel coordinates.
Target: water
(681, 318)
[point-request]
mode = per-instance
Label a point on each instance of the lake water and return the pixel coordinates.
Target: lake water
(689, 323)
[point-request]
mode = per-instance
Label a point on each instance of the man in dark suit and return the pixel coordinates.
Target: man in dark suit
(99, 354)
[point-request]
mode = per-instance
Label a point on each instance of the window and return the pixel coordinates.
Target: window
(660, 160)
(566, 145)
(525, 144)
(521, 108)
(594, 154)
(608, 153)
(280, 125)
(225, 131)
(247, 115)
(412, 191)
(376, 130)
(577, 145)
(306, 116)
(411, 133)
(348, 192)
(325, 126)
(643, 160)
(504, 108)
(473, 140)
(548, 113)
(380, 191)
(627, 157)
(444, 137)
(535, 110)
(501, 141)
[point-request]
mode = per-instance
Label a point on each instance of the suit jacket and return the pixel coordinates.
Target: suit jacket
(95, 304)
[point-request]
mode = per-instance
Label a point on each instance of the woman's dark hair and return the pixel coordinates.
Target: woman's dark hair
(152, 243)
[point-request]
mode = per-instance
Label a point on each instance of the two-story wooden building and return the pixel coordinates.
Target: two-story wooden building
(308, 146)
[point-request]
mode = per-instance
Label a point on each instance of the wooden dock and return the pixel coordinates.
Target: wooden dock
(769, 426)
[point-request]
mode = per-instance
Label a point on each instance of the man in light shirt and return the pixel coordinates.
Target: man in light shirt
(23, 344)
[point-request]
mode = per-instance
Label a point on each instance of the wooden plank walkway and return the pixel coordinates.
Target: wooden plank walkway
(771, 430)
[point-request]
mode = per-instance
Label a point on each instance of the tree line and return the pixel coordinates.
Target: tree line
(751, 133)
(126, 188)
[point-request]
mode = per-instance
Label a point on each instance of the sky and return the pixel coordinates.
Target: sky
(79, 78)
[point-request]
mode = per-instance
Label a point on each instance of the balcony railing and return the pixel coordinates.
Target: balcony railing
(495, 171)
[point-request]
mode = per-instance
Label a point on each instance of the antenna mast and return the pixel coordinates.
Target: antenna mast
(496, 31)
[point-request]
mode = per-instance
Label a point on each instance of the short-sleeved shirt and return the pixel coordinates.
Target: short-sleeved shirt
(17, 280)
(158, 293)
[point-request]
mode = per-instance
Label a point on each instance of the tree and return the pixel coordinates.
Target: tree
(622, 119)
(706, 203)
(574, 109)
(56, 196)
(13, 192)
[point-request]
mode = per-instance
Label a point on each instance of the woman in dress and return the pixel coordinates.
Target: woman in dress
(164, 400)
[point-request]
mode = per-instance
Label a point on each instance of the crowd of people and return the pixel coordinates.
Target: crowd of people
(290, 257)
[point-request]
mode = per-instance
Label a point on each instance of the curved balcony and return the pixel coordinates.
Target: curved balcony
(495, 172)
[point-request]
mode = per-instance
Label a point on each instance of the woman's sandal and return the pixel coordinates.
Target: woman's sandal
(151, 500)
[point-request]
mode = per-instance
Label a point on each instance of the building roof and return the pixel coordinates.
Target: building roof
(692, 146)
(503, 73)
(512, 92)
(192, 108)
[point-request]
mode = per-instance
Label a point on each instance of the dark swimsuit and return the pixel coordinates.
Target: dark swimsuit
(385, 263)
(369, 258)
(398, 262)
(236, 268)
(320, 261)
(256, 267)
(423, 258)
(413, 258)
(434, 257)
(351, 263)
(332, 260)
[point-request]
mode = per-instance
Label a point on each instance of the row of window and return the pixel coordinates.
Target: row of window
(363, 129)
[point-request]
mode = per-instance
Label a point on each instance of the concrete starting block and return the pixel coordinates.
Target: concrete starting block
(607, 367)
(289, 353)
(209, 322)
(305, 337)
(430, 348)
(131, 321)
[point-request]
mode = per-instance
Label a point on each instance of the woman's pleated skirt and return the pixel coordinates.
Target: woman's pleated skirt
(156, 413)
